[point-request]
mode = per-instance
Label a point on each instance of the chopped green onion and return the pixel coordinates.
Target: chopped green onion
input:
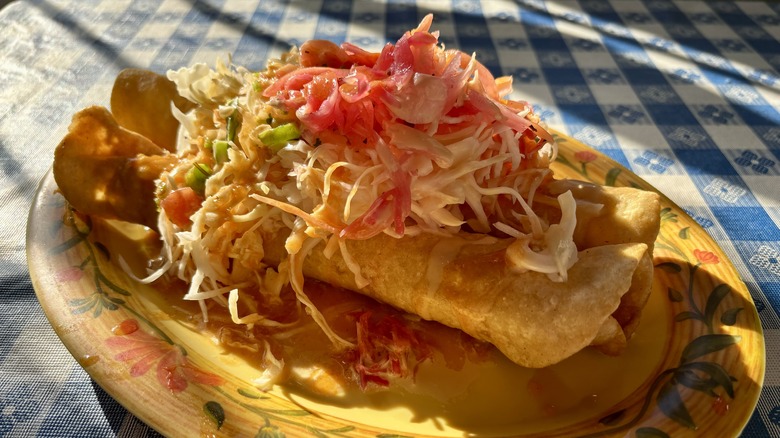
(196, 177)
(221, 151)
(232, 124)
(277, 138)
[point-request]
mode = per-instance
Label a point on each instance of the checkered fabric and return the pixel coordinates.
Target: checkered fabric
(684, 93)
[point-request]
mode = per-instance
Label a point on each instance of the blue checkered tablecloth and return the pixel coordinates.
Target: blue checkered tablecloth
(684, 93)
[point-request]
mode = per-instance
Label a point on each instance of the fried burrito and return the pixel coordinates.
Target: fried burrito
(405, 175)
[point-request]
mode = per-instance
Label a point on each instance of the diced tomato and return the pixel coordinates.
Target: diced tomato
(180, 204)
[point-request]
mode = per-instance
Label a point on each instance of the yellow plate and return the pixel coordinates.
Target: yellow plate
(694, 368)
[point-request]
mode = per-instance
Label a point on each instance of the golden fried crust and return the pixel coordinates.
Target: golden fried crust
(628, 214)
(141, 102)
(105, 170)
(534, 321)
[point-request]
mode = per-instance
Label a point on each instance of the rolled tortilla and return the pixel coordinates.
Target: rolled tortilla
(534, 321)
(449, 279)
(106, 170)
(628, 215)
(621, 325)
(464, 282)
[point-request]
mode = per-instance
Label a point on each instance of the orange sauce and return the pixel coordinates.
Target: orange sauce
(89, 360)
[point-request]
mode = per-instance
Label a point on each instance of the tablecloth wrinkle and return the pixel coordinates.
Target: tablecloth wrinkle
(684, 93)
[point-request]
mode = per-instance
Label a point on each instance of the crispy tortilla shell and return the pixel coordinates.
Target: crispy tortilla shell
(534, 321)
(141, 102)
(628, 214)
(105, 170)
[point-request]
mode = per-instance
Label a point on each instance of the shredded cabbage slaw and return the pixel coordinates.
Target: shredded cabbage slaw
(332, 143)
